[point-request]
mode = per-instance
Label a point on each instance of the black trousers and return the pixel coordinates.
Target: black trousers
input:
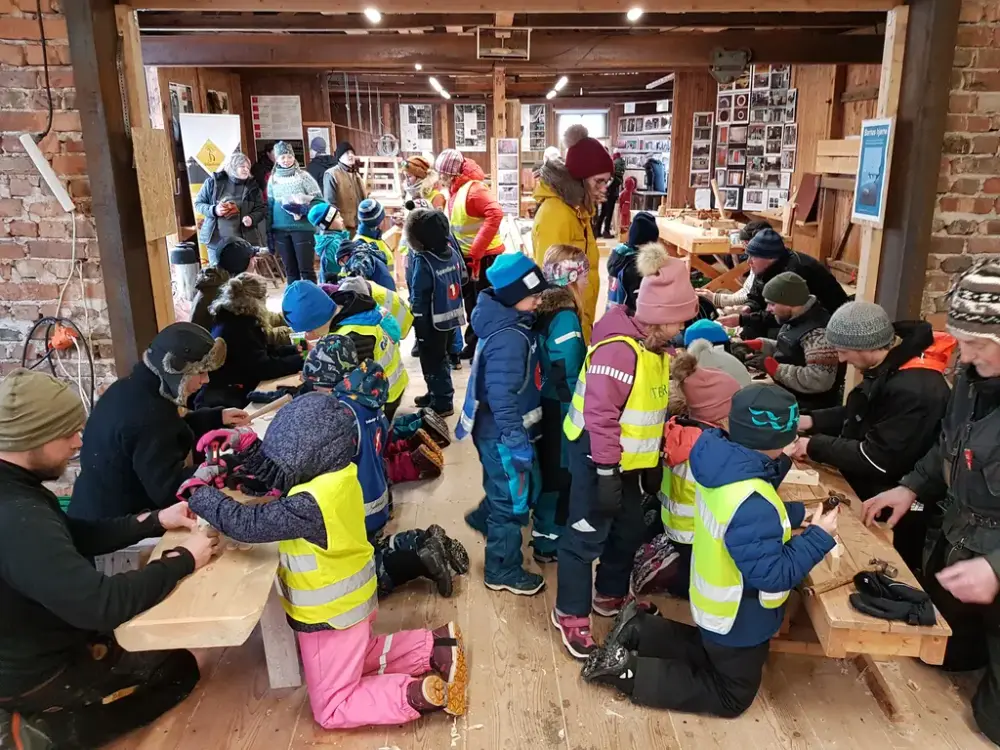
(975, 640)
(298, 254)
(436, 366)
(105, 693)
(677, 669)
(602, 222)
(470, 292)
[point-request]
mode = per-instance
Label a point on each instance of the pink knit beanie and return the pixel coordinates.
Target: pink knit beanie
(709, 394)
(667, 295)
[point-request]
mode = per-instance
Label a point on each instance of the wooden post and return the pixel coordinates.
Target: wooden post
(694, 91)
(444, 111)
(828, 198)
(499, 101)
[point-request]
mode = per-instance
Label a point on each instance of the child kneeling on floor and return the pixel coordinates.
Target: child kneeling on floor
(327, 573)
(745, 561)
(615, 427)
(502, 412)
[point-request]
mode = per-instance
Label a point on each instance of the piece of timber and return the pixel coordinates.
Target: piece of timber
(692, 239)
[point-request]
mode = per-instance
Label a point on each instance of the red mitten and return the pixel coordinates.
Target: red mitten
(755, 344)
(239, 439)
(771, 366)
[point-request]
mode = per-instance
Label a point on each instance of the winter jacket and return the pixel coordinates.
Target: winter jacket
(210, 280)
(344, 189)
(822, 285)
(965, 464)
(280, 187)
(327, 245)
(562, 219)
(891, 418)
(656, 175)
(560, 345)
(480, 203)
(754, 535)
(261, 172)
(136, 449)
(242, 323)
(318, 165)
(420, 281)
(623, 276)
(52, 600)
(362, 259)
(360, 309)
(619, 175)
(245, 194)
(503, 359)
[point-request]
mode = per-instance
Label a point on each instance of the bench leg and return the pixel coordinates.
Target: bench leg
(281, 650)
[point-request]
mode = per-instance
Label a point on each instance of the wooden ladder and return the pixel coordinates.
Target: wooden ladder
(381, 177)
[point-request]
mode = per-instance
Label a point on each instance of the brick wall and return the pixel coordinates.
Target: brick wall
(967, 216)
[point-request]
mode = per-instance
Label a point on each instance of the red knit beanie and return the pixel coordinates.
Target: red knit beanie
(667, 295)
(585, 156)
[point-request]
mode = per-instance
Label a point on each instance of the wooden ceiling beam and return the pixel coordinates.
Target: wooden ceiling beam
(551, 52)
(540, 6)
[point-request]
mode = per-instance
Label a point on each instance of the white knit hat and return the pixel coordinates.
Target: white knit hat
(717, 358)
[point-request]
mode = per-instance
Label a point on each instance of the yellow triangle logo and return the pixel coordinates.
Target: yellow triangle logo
(210, 156)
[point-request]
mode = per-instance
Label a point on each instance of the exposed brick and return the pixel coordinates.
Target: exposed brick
(60, 79)
(74, 164)
(981, 80)
(984, 245)
(11, 54)
(948, 204)
(990, 227)
(10, 251)
(66, 121)
(964, 57)
(970, 36)
(50, 249)
(947, 245)
(27, 28)
(975, 205)
(971, 12)
(58, 54)
(23, 229)
(991, 186)
(956, 144)
(18, 79)
(28, 291)
(955, 263)
(988, 103)
(21, 186)
(961, 103)
(985, 144)
(11, 207)
(959, 226)
(45, 208)
(987, 58)
(986, 165)
(54, 228)
(965, 186)
(80, 188)
(29, 122)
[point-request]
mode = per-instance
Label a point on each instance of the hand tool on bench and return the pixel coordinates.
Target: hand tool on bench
(875, 565)
(268, 408)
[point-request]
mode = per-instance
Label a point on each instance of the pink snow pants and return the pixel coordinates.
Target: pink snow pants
(357, 679)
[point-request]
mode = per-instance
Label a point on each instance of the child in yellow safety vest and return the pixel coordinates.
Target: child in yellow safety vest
(327, 572)
(665, 562)
(745, 561)
(615, 428)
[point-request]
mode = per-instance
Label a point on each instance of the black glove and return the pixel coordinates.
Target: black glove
(755, 362)
(651, 479)
(888, 599)
(608, 502)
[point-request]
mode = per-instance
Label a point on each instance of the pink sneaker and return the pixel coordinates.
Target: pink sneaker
(575, 632)
(608, 606)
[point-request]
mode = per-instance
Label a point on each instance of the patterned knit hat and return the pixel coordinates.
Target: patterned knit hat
(449, 162)
(281, 149)
(333, 363)
(762, 417)
(370, 212)
(975, 302)
(566, 271)
(860, 326)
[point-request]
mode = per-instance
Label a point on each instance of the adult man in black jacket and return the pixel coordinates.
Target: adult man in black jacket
(767, 256)
(962, 558)
(891, 418)
(64, 681)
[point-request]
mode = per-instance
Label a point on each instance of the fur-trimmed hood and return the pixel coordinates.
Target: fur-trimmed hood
(555, 181)
(180, 351)
(555, 298)
(243, 295)
(210, 277)
(650, 258)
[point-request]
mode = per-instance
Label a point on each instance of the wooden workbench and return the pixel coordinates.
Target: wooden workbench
(688, 241)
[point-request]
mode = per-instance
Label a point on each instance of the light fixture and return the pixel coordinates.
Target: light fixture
(634, 14)
(551, 94)
(560, 83)
(434, 84)
(374, 16)
(418, 66)
(445, 94)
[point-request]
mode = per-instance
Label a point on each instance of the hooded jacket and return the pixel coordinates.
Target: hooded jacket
(562, 219)
(356, 309)
(754, 535)
(344, 189)
(890, 420)
(623, 275)
(420, 280)
(480, 204)
(210, 280)
(561, 349)
(822, 285)
(247, 196)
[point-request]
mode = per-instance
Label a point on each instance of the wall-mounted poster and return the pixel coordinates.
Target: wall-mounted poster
(754, 199)
(701, 150)
(470, 127)
(507, 168)
(416, 131)
(870, 183)
(533, 133)
(218, 102)
(318, 140)
(276, 118)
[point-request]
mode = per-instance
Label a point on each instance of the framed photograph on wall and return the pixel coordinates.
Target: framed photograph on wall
(756, 134)
(741, 115)
(730, 198)
(737, 157)
(735, 177)
(786, 180)
(754, 199)
(755, 180)
(790, 135)
(738, 134)
(721, 157)
(788, 160)
(723, 134)
(720, 176)
(776, 199)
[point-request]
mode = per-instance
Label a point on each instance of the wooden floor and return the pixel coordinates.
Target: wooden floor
(525, 691)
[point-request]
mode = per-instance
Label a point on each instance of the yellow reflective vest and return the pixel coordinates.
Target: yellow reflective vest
(716, 588)
(386, 354)
(465, 227)
(677, 498)
(645, 410)
(382, 247)
(335, 585)
(398, 309)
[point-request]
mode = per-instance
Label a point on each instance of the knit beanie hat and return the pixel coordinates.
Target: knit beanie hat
(180, 351)
(370, 212)
(975, 302)
(717, 358)
(705, 329)
(342, 148)
(585, 156)
(766, 244)
(418, 166)
(318, 145)
(281, 148)
(36, 408)
(515, 276)
(643, 229)
(235, 254)
(322, 215)
(763, 417)
(449, 162)
(708, 392)
(427, 229)
(667, 295)
(860, 326)
(306, 307)
(787, 288)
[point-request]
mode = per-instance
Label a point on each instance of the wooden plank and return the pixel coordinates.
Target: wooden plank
(832, 182)
(691, 239)
(152, 162)
(869, 93)
(836, 164)
(838, 147)
(499, 104)
(694, 91)
(281, 649)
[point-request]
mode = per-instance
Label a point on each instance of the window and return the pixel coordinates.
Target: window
(595, 120)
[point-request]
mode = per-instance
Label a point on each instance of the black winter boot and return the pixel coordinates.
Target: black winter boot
(613, 666)
(435, 560)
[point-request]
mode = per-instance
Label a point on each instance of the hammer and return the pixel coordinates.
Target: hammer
(876, 565)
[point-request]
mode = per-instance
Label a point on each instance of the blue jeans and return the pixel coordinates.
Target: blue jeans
(588, 536)
(507, 502)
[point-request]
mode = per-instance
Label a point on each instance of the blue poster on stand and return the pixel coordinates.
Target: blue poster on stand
(872, 179)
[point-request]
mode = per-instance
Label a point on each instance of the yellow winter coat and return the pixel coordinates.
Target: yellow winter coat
(559, 223)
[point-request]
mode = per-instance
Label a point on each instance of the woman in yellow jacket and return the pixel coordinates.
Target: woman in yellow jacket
(568, 194)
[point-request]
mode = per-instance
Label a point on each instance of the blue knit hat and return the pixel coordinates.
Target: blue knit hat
(766, 244)
(515, 276)
(643, 229)
(322, 215)
(705, 329)
(306, 306)
(370, 212)
(763, 417)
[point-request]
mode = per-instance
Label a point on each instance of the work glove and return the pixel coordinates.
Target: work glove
(888, 599)
(755, 362)
(213, 443)
(651, 479)
(206, 475)
(754, 345)
(771, 366)
(608, 502)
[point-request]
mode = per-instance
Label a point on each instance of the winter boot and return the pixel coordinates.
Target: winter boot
(468, 352)
(422, 401)
(575, 632)
(427, 695)
(608, 606)
(16, 733)
(520, 582)
(654, 567)
(442, 410)
(456, 361)
(428, 463)
(458, 557)
(625, 629)
(415, 351)
(611, 665)
(435, 561)
(423, 438)
(448, 659)
(437, 428)
(476, 519)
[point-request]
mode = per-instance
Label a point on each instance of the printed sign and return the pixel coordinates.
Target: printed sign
(871, 182)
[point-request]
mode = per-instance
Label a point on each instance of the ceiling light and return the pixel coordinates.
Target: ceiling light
(434, 84)
(445, 94)
(560, 83)
(551, 94)
(634, 14)
(374, 16)
(418, 66)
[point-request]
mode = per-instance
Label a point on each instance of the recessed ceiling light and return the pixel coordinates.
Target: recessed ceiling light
(374, 16)
(418, 66)
(634, 14)
(560, 83)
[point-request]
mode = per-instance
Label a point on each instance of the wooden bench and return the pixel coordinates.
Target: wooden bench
(686, 240)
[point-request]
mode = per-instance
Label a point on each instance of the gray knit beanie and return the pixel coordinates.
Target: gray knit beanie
(787, 289)
(975, 302)
(860, 326)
